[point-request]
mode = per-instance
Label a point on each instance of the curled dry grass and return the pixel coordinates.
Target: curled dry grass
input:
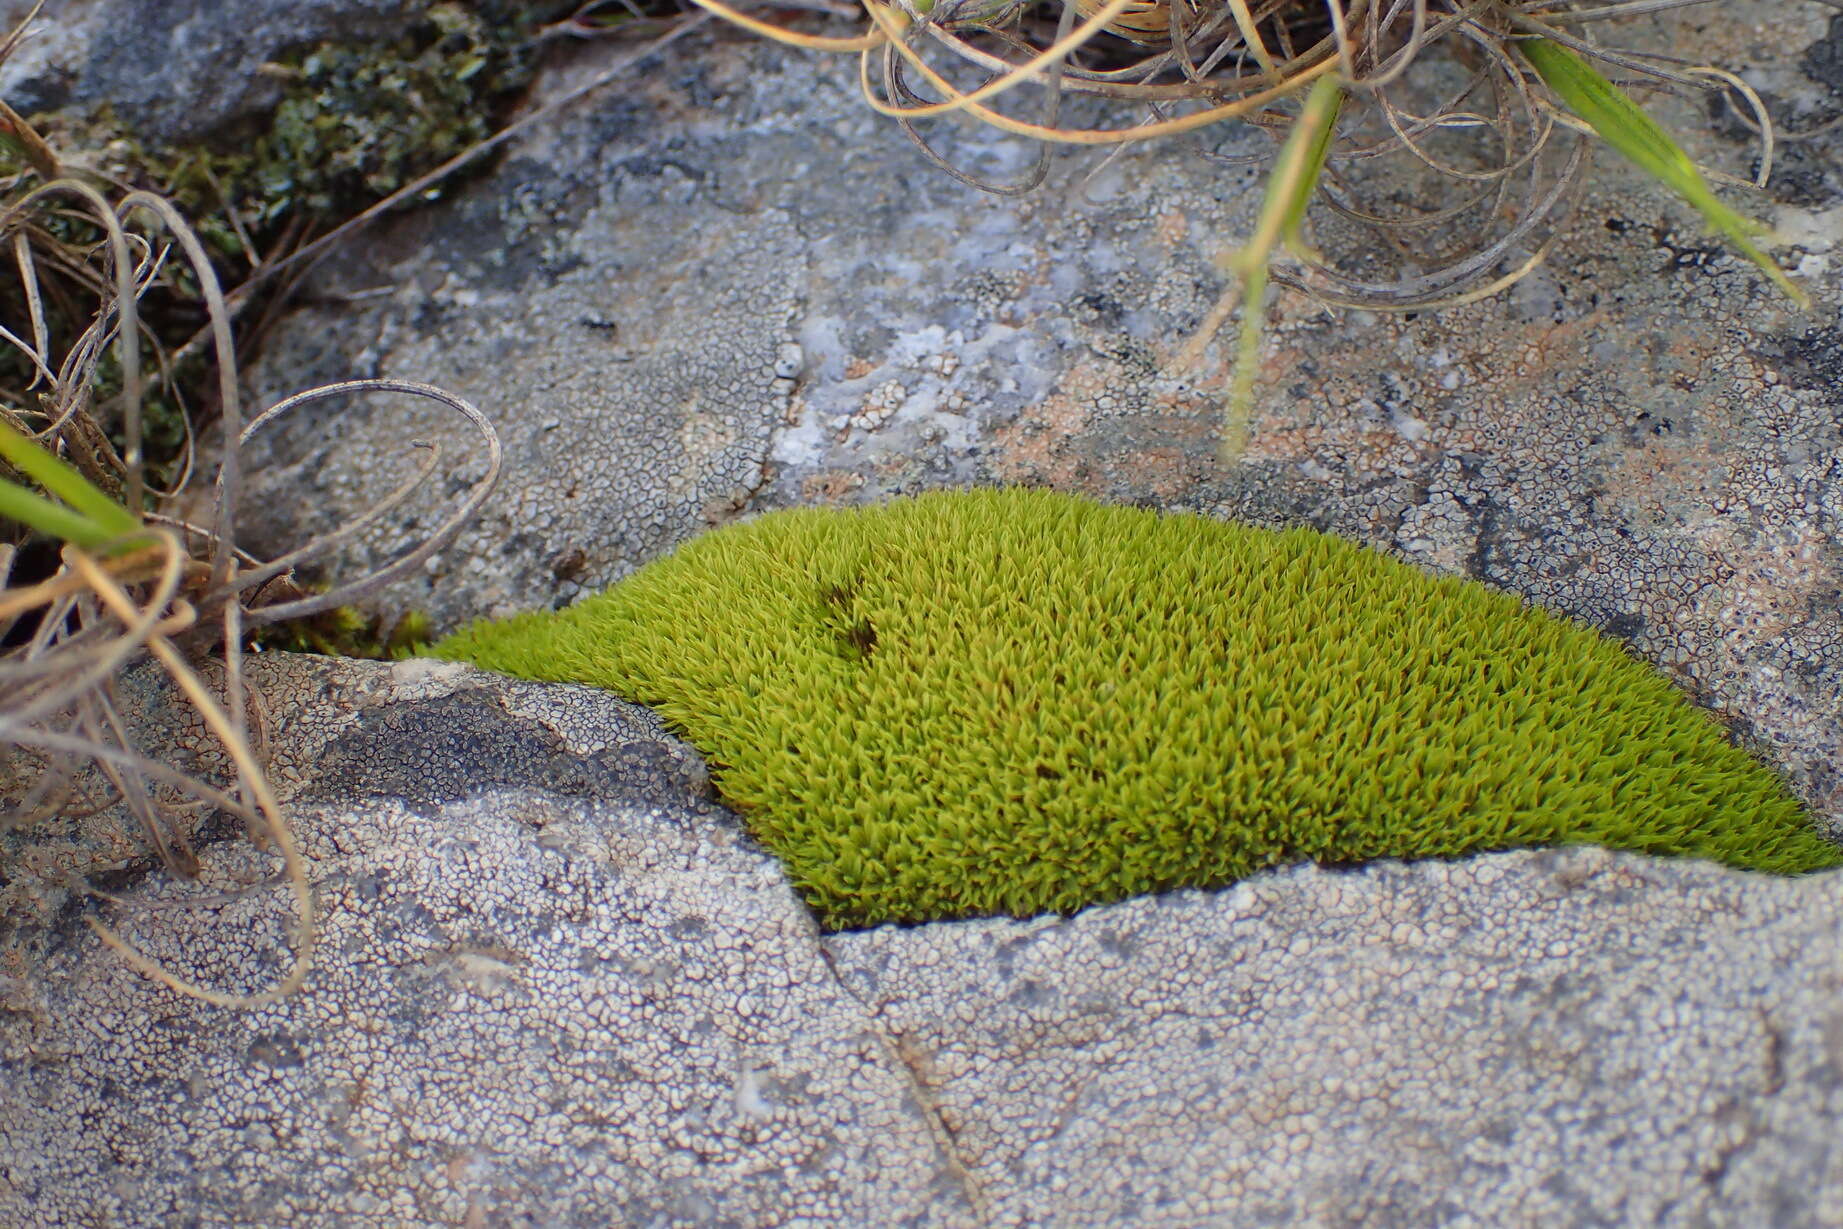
(1435, 87)
(131, 583)
(1452, 133)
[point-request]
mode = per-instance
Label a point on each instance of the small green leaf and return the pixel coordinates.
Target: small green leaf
(1623, 125)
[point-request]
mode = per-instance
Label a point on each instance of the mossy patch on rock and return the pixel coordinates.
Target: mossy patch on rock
(347, 123)
(1010, 702)
(350, 122)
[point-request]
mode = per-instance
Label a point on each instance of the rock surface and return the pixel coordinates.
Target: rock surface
(1556, 1038)
(556, 985)
(727, 286)
(176, 72)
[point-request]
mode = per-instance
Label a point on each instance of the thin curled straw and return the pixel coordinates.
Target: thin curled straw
(1091, 136)
(251, 781)
(1048, 58)
(495, 457)
(812, 42)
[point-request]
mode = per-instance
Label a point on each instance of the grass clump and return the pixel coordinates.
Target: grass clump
(1450, 135)
(1010, 702)
(107, 564)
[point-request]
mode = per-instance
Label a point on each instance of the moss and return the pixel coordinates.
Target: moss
(346, 631)
(1013, 701)
(355, 122)
(359, 120)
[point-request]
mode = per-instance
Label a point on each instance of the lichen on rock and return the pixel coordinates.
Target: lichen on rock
(305, 114)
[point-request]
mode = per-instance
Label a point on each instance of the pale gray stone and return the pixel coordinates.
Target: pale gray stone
(1567, 1037)
(587, 1002)
(556, 984)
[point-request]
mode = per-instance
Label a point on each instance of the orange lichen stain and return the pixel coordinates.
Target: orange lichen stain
(1769, 590)
(1566, 340)
(1663, 475)
(1036, 446)
(1078, 438)
(1171, 227)
(829, 486)
(858, 368)
(1169, 471)
(1036, 449)
(1289, 439)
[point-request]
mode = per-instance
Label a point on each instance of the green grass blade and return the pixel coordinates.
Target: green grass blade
(1318, 123)
(1622, 124)
(49, 517)
(108, 518)
(1289, 191)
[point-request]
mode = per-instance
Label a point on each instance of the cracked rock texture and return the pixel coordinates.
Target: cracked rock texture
(727, 285)
(556, 985)
(1567, 1037)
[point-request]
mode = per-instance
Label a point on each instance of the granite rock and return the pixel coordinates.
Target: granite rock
(177, 72)
(555, 984)
(725, 285)
(1566, 1037)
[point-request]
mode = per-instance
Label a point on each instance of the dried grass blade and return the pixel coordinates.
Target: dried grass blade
(437, 538)
(250, 782)
(77, 666)
(129, 569)
(894, 23)
(230, 413)
(18, 33)
(22, 139)
(1109, 136)
(174, 851)
(1625, 126)
(812, 42)
(35, 307)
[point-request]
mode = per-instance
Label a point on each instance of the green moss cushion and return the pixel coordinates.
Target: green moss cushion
(1014, 701)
